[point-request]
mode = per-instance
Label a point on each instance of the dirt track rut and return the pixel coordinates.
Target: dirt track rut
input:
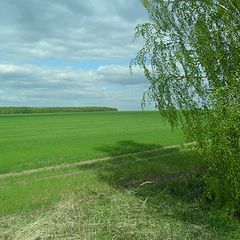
(91, 161)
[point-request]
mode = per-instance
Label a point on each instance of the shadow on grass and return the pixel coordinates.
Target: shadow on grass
(169, 181)
(125, 147)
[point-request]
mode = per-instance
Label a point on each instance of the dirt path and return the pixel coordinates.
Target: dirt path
(64, 165)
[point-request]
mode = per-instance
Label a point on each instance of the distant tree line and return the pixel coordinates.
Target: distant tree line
(29, 110)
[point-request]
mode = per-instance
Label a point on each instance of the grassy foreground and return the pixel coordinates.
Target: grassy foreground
(144, 196)
(152, 195)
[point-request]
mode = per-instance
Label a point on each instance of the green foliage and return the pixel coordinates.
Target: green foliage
(191, 58)
(29, 110)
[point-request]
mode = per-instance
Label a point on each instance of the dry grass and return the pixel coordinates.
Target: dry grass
(119, 216)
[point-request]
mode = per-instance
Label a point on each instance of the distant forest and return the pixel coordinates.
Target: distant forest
(29, 110)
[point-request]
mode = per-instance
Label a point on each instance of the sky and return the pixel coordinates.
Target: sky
(70, 53)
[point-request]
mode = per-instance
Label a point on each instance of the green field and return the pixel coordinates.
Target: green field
(32, 141)
(145, 190)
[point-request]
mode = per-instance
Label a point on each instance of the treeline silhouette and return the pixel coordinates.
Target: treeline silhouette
(29, 110)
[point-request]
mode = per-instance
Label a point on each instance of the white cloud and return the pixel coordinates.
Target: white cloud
(108, 85)
(69, 31)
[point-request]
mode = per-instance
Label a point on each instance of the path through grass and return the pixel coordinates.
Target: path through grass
(144, 196)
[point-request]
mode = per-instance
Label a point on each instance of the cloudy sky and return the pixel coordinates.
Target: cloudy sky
(70, 53)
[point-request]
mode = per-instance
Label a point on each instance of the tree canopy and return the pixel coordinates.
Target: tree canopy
(191, 56)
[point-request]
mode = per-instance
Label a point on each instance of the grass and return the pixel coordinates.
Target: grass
(157, 196)
(33, 141)
(154, 195)
(43, 188)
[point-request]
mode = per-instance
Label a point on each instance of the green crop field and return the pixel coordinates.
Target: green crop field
(32, 141)
(106, 175)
